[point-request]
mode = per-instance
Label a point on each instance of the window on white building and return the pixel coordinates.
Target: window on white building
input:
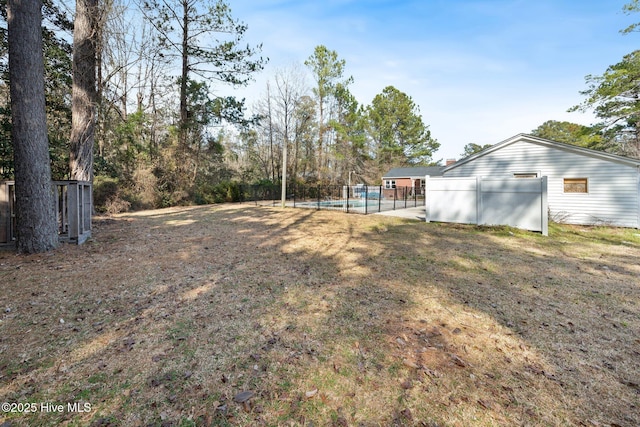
(576, 185)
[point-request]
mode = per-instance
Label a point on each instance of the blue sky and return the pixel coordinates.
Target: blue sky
(480, 71)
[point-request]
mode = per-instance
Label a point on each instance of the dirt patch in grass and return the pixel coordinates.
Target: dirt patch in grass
(237, 315)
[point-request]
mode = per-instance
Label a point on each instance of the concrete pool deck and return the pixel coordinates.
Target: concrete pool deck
(418, 213)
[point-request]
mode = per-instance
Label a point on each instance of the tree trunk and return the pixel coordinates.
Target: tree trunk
(320, 137)
(184, 75)
(183, 128)
(83, 92)
(35, 204)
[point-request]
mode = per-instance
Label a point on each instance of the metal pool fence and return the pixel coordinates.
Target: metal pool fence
(362, 199)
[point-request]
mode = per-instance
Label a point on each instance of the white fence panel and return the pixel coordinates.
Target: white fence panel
(452, 200)
(516, 202)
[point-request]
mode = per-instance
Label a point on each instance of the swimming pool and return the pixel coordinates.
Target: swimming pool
(333, 204)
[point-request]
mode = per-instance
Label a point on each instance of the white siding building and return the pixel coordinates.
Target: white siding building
(584, 186)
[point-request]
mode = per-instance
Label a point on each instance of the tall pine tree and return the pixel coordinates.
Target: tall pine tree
(35, 205)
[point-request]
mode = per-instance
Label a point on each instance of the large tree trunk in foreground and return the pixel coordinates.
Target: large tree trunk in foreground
(83, 93)
(35, 204)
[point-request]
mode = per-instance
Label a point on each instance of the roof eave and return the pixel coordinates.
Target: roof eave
(547, 142)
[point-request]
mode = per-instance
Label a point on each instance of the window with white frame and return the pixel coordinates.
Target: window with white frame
(389, 183)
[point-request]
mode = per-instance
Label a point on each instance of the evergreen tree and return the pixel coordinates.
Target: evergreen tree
(399, 136)
(615, 99)
(37, 229)
(570, 133)
(472, 148)
(57, 66)
(328, 72)
(349, 126)
(204, 39)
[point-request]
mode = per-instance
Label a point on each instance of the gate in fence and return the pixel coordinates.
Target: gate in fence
(74, 206)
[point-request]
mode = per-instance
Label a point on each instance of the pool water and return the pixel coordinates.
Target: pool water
(338, 204)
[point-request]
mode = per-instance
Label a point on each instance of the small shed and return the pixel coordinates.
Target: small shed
(584, 186)
(410, 178)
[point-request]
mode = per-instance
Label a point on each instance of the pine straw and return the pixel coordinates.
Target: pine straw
(327, 319)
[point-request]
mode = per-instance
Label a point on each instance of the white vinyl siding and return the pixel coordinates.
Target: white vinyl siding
(613, 187)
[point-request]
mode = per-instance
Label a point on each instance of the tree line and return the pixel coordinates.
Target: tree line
(145, 85)
(134, 100)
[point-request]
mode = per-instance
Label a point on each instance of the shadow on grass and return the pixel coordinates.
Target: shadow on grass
(322, 318)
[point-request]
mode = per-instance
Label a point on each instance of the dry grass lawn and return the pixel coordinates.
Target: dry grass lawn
(236, 315)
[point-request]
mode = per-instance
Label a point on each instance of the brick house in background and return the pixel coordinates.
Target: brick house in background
(410, 180)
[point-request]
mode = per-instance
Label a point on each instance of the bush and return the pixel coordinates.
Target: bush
(145, 194)
(111, 196)
(107, 196)
(116, 205)
(207, 193)
(104, 189)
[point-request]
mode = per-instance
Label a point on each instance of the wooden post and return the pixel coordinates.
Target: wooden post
(5, 216)
(74, 212)
(11, 192)
(59, 212)
(87, 208)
